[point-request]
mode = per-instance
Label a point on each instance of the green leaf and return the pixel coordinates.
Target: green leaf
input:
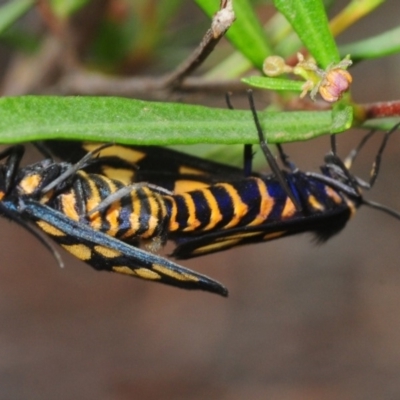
(65, 8)
(382, 45)
(12, 11)
(274, 83)
(111, 119)
(246, 33)
(309, 20)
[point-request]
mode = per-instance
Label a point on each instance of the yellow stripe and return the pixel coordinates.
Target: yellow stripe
(240, 208)
(134, 216)
(113, 210)
(215, 216)
(289, 209)
(266, 203)
(315, 204)
(192, 221)
(155, 202)
(112, 218)
(173, 224)
(68, 205)
(157, 208)
(333, 195)
(93, 199)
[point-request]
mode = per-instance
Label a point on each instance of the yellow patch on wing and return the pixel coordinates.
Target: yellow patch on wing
(30, 183)
(190, 171)
(124, 175)
(187, 185)
(79, 250)
(107, 252)
(216, 246)
(241, 235)
(143, 273)
(273, 235)
(173, 274)
(125, 153)
(49, 229)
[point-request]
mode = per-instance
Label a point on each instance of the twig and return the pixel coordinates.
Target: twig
(82, 82)
(381, 109)
(220, 23)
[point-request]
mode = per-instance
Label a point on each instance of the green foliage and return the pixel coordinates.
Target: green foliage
(12, 11)
(131, 41)
(64, 8)
(246, 34)
(381, 45)
(133, 121)
(308, 19)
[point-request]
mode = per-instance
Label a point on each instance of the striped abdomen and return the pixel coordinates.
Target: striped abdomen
(141, 214)
(249, 202)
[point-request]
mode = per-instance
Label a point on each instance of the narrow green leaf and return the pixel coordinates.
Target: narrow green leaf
(12, 11)
(309, 20)
(382, 45)
(274, 83)
(246, 33)
(111, 119)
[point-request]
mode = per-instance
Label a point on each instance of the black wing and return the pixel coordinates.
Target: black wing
(323, 225)
(170, 169)
(103, 252)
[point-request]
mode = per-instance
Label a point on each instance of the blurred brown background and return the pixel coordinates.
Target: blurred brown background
(302, 321)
